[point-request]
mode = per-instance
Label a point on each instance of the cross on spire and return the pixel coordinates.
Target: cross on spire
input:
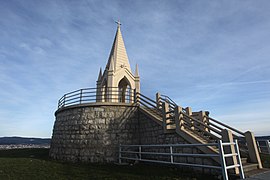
(118, 23)
(117, 72)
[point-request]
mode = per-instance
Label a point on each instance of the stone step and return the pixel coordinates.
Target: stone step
(256, 171)
(244, 160)
(203, 140)
(171, 126)
(249, 167)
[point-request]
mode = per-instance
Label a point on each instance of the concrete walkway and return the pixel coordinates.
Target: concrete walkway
(261, 176)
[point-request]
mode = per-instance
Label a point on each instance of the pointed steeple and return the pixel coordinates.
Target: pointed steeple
(100, 74)
(117, 73)
(137, 71)
(118, 56)
(111, 67)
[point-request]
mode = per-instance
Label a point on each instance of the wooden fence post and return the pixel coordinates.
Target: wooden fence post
(158, 100)
(178, 118)
(227, 136)
(204, 119)
(189, 113)
(165, 109)
(253, 149)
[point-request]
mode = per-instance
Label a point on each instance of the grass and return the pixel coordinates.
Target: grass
(35, 164)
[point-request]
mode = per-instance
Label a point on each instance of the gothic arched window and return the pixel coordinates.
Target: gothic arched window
(124, 91)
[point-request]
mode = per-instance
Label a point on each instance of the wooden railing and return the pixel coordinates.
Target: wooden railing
(200, 127)
(209, 129)
(89, 95)
(167, 99)
(168, 109)
(219, 125)
(199, 122)
(263, 146)
(149, 104)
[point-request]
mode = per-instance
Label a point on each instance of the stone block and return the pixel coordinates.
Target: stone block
(97, 109)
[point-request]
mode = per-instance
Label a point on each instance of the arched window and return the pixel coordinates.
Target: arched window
(124, 91)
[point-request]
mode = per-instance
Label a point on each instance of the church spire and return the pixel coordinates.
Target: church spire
(137, 71)
(118, 56)
(111, 67)
(100, 74)
(117, 73)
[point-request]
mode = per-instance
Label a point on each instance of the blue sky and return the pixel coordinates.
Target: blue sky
(209, 55)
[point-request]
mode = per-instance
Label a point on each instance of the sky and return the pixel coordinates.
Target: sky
(209, 55)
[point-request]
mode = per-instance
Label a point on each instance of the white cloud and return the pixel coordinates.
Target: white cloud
(203, 54)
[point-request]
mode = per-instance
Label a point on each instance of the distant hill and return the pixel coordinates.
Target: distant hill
(263, 137)
(37, 141)
(23, 140)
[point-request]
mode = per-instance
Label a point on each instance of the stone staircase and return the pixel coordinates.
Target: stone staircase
(194, 127)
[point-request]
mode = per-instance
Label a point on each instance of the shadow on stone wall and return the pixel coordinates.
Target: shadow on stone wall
(93, 134)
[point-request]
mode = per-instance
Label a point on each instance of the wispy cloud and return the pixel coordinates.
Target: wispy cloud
(205, 54)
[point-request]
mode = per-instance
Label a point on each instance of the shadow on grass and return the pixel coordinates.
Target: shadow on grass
(36, 153)
(35, 164)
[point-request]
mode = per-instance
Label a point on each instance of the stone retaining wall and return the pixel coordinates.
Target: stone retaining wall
(93, 133)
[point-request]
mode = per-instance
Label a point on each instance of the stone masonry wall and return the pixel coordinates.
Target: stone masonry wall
(151, 132)
(93, 134)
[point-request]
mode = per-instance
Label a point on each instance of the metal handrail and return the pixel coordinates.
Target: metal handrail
(167, 98)
(145, 97)
(89, 95)
(263, 148)
(201, 123)
(144, 154)
(226, 126)
(169, 145)
(146, 101)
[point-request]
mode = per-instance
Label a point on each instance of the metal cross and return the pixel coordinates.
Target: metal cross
(118, 23)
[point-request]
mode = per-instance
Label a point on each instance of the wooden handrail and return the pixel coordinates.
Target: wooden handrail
(168, 99)
(202, 123)
(210, 134)
(146, 102)
(229, 127)
(141, 95)
(212, 124)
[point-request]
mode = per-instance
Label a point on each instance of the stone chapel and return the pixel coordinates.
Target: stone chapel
(91, 124)
(117, 74)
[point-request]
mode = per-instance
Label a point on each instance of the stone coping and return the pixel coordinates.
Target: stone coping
(96, 104)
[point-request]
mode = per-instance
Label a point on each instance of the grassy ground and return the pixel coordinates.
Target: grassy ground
(35, 164)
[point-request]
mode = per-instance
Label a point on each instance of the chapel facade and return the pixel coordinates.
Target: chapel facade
(117, 75)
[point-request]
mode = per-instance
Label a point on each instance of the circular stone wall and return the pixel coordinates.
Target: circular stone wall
(93, 132)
